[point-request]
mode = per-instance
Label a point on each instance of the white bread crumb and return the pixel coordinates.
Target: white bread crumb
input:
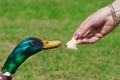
(72, 44)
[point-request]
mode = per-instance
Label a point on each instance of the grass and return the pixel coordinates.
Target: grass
(51, 20)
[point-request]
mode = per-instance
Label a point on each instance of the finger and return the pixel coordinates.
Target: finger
(90, 38)
(84, 27)
(88, 41)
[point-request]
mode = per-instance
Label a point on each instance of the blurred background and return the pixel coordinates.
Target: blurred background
(57, 20)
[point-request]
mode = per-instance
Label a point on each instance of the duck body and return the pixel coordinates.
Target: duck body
(23, 50)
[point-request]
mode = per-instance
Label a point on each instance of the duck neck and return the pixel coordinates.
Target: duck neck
(13, 62)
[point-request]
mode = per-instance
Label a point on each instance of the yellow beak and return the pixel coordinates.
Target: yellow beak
(50, 44)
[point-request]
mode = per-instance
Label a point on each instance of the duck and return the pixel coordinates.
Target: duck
(21, 52)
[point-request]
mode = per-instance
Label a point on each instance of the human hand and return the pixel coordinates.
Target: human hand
(95, 27)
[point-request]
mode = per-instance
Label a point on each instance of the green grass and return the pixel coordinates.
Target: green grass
(57, 20)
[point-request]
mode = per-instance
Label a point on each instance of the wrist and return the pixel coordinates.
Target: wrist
(107, 10)
(116, 5)
(115, 12)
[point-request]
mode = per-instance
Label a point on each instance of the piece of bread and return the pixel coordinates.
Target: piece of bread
(72, 44)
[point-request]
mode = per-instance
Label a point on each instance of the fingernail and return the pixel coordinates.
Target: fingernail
(78, 33)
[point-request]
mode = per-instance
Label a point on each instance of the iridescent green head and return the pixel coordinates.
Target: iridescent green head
(25, 49)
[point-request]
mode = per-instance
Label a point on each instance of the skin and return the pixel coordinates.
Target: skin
(97, 25)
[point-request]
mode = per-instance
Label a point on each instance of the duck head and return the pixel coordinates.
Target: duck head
(23, 50)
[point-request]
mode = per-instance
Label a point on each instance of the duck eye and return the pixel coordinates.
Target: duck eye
(46, 42)
(33, 42)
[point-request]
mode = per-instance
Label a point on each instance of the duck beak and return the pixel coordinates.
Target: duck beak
(50, 44)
